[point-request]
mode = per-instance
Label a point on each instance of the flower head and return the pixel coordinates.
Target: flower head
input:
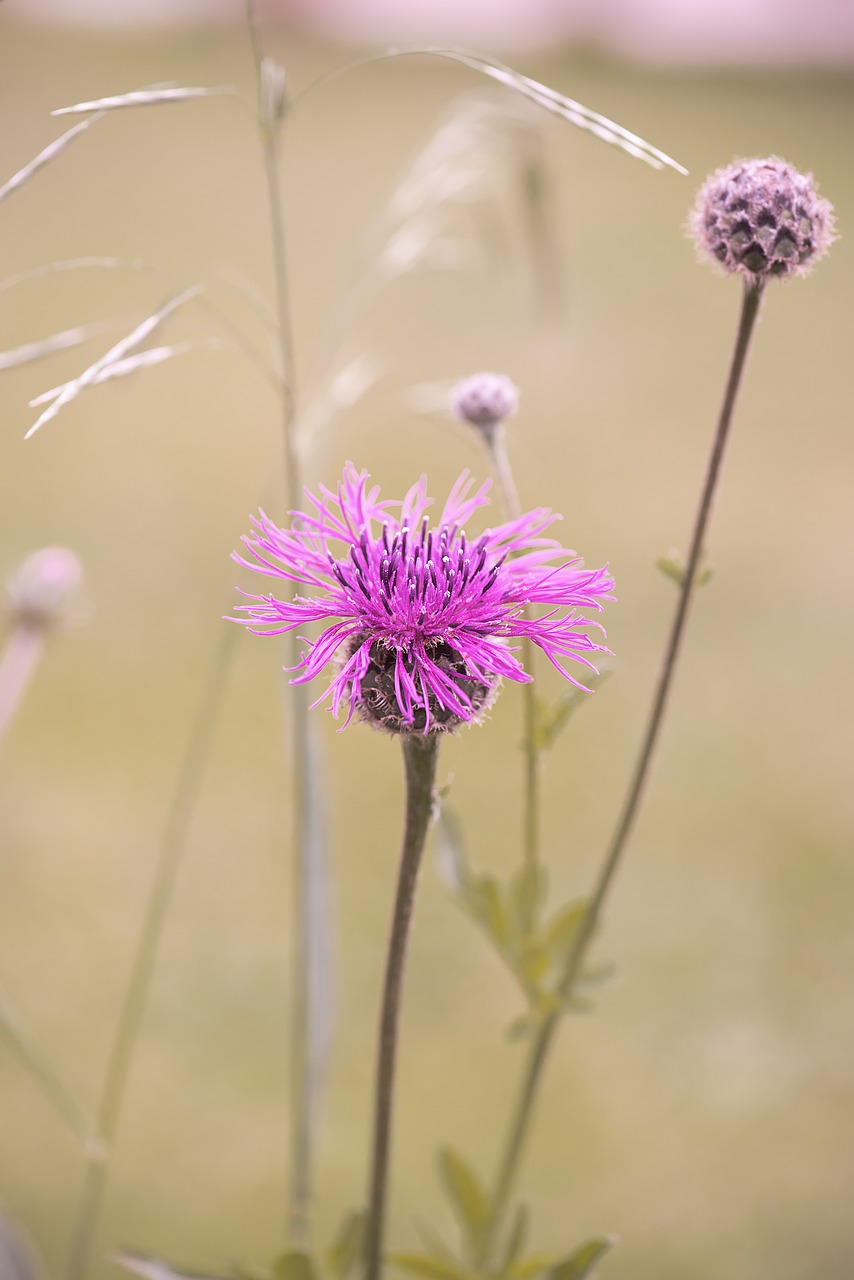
(762, 218)
(420, 619)
(485, 399)
(40, 591)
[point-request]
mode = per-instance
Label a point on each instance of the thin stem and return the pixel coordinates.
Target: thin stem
(494, 438)
(172, 849)
(419, 755)
(307, 842)
(34, 1057)
(751, 301)
(17, 664)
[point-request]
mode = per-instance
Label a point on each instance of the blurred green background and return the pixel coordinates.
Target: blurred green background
(705, 1112)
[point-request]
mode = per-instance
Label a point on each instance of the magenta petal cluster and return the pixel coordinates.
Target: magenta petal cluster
(419, 621)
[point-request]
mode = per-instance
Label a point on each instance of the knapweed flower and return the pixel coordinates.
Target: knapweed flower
(485, 399)
(762, 218)
(418, 619)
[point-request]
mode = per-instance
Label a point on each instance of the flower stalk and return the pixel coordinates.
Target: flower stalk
(540, 1047)
(272, 109)
(420, 751)
(174, 843)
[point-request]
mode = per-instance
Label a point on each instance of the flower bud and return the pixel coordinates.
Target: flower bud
(762, 218)
(40, 591)
(485, 399)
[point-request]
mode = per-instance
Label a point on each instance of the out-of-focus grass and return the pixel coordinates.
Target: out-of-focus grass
(704, 1111)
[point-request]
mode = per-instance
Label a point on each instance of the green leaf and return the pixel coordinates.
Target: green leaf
(526, 893)
(451, 854)
(485, 901)
(294, 1265)
(673, 567)
(562, 930)
(525, 1268)
(346, 1249)
(582, 1262)
(515, 1240)
(467, 1197)
(427, 1266)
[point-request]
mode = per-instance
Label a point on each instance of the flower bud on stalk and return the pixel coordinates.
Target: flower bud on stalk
(762, 218)
(485, 400)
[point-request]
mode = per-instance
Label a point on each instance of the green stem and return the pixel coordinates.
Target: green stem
(37, 1061)
(419, 755)
(171, 852)
(494, 438)
(538, 1055)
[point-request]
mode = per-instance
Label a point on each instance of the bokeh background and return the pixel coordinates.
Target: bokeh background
(705, 1111)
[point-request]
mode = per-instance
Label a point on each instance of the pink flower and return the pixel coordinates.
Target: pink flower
(417, 617)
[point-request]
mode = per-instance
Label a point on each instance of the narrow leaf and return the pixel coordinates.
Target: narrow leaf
(451, 854)
(525, 896)
(467, 1197)
(144, 98)
(581, 1263)
(294, 1265)
(562, 930)
(516, 1239)
(525, 1268)
(51, 151)
(485, 901)
(346, 1249)
(428, 1267)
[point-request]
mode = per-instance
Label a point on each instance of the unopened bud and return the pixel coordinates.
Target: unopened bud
(762, 218)
(41, 590)
(485, 399)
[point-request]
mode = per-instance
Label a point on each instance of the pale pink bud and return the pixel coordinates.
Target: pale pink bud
(40, 592)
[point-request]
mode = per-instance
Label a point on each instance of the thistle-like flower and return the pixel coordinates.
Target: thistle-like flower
(418, 617)
(762, 218)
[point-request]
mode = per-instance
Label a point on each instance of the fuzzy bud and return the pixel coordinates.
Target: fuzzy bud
(40, 592)
(484, 400)
(762, 218)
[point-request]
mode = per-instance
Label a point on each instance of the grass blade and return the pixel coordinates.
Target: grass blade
(51, 151)
(154, 96)
(61, 341)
